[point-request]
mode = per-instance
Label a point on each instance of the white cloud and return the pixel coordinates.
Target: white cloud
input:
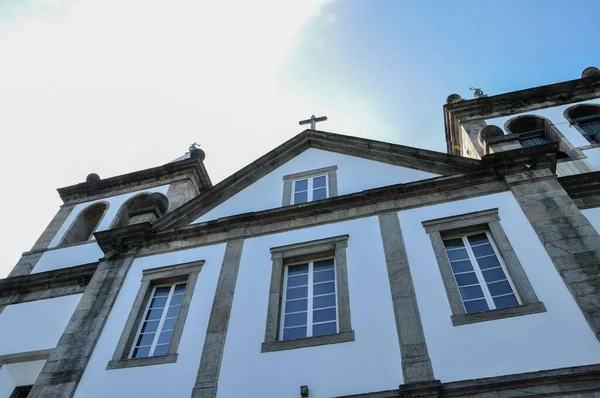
(115, 86)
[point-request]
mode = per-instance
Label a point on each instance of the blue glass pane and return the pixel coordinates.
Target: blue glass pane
(180, 288)
(295, 319)
(298, 269)
(506, 301)
(458, 254)
(162, 291)
(496, 274)
(150, 326)
(141, 352)
(165, 337)
(169, 324)
(499, 288)
(145, 339)
(301, 197)
(294, 333)
(296, 293)
(488, 262)
(176, 299)
(301, 185)
(324, 315)
(323, 264)
(299, 280)
(461, 266)
(471, 292)
(483, 250)
(161, 350)
(324, 301)
(323, 288)
(319, 182)
(296, 306)
(466, 279)
(476, 306)
(324, 276)
(173, 311)
(154, 314)
(158, 302)
(453, 243)
(478, 239)
(319, 194)
(324, 328)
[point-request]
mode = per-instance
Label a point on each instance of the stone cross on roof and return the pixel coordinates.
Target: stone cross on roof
(313, 121)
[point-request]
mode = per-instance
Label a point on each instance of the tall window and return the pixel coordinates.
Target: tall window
(21, 392)
(586, 118)
(85, 224)
(479, 273)
(309, 189)
(156, 330)
(310, 301)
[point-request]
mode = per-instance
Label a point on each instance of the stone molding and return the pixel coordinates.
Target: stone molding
(332, 188)
(305, 251)
(584, 189)
(416, 364)
(28, 356)
(188, 273)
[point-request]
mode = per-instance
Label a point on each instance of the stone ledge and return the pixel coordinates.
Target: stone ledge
(343, 337)
(526, 309)
(135, 362)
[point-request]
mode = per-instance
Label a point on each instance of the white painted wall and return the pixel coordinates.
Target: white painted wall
(168, 380)
(371, 363)
(7, 384)
(556, 116)
(557, 338)
(353, 175)
(35, 325)
(593, 216)
(593, 157)
(68, 257)
(18, 374)
(114, 203)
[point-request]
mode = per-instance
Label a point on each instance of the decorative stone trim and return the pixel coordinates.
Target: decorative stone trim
(486, 220)
(331, 173)
(416, 364)
(28, 356)
(170, 274)
(336, 247)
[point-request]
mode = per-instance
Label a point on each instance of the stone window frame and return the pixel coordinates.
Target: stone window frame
(330, 172)
(282, 255)
(187, 272)
(486, 220)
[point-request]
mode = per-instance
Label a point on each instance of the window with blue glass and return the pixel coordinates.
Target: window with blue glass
(310, 301)
(479, 273)
(309, 189)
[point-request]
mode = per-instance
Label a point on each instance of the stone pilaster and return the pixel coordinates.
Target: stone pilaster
(62, 372)
(216, 332)
(416, 364)
(570, 240)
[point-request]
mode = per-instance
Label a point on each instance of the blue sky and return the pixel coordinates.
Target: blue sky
(121, 85)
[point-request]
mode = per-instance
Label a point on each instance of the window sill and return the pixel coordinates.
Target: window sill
(132, 363)
(342, 337)
(531, 308)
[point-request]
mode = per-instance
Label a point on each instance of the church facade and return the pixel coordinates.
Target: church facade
(332, 266)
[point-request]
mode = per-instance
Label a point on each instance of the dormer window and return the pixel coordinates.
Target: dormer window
(309, 186)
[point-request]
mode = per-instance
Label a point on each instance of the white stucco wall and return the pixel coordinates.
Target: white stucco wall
(68, 257)
(593, 215)
(353, 175)
(370, 363)
(35, 325)
(18, 374)
(114, 204)
(593, 157)
(557, 338)
(167, 380)
(556, 116)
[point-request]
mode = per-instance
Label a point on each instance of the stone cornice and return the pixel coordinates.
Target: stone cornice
(15, 288)
(515, 102)
(155, 176)
(400, 155)
(581, 185)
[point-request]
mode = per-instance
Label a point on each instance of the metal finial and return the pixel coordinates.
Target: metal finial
(477, 92)
(195, 145)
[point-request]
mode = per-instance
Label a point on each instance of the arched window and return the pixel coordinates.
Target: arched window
(85, 224)
(532, 130)
(133, 204)
(586, 118)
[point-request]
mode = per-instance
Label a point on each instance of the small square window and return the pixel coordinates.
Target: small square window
(483, 277)
(310, 189)
(310, 186)
(155, 324)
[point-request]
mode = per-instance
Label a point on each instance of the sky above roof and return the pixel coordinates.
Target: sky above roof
(116, 86)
